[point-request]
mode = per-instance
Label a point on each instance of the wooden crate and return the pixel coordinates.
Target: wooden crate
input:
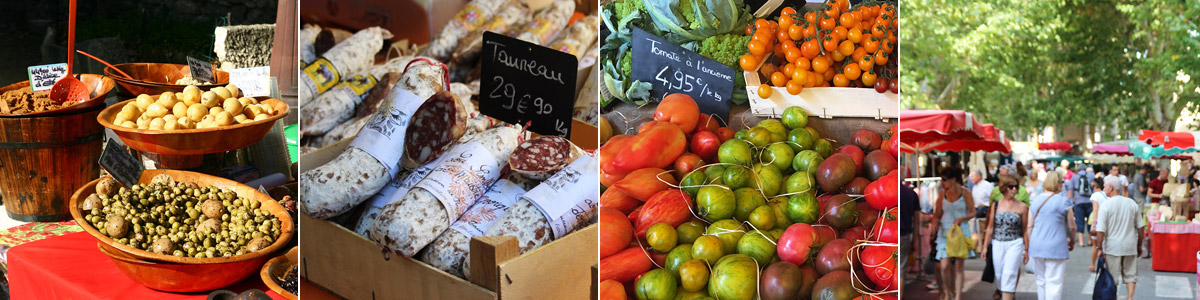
(351, 266)
(824, 103)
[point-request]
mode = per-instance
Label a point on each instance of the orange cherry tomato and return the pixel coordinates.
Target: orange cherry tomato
(851, 71)
(854, 35)
(837, 56)
(846, 48)
(829, 74)
(839, 33)
(796, 32)
(820, 64)
(794, 88)
(814, 79)
(757, 47)
(803, 63)
(782, 35)
(750, 29)
(777, 79)
(764, 91)
(871, 45)
(788, 11)
(761, 36)
(843, 5)
(881, 58)
(809, 30)
(866, 62)
(810, 49)
(879, 31)
(778, 49)
(788, 70)
(761, 23)
(868, 78)
(832, 12)
(793, 55)
(885, 46)
(799, 76)
(827, 23)
(829, 43)
(748, 62)
(811, 17)
(840, 80)
(847, 20)
(858, 54)
(786, 21)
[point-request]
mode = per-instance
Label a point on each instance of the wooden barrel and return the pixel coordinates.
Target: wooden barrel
(43, 160)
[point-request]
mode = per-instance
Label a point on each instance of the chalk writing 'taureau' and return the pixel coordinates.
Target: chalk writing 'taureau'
(528, 65)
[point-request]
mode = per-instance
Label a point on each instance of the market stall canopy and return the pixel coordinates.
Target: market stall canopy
(993, 141)
(1059, 146)
(1161, 143)
(1122, 148)
(923, 130)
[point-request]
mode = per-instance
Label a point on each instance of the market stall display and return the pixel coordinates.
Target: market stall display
(693, 209)
(409, 149)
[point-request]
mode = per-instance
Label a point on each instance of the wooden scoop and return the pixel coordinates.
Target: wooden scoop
(69, 89)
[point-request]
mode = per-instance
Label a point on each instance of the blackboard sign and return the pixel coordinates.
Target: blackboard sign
(123, 167)
(672, 69)
(523, 82)
(201, 70)
(43, 77)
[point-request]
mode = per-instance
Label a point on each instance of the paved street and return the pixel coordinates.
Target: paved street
(1079, 282)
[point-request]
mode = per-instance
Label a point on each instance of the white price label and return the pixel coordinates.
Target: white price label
(43, 77)
(252, 82)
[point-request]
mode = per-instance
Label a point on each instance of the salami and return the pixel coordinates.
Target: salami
(343, 131)
(449, 250)
(468, 50)
(547, 22)
(541, 157)
(435, 125)
(415, 220)
(577, 38)
(306, 37)
(554, 208)
(338, 105)
(473, 15)
(353, 55)
(390, 193)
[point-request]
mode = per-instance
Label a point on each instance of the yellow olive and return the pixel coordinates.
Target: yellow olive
(197, 112)
(157, 124)
(215, 109)
(169, 119)
(128, 124)
(252, 111)
(261, 117)
(171, 125)
(223, 92)
(180, 109)
(133, 109)
(143, 101)
(241, 119)
(234, 92)
(223, 118)
(185, 123)
(123, 116)
(210, 99)
(143, 122)
(155, 111)
(270, 110)
(232, 106)
(167, 99)
(247, 101)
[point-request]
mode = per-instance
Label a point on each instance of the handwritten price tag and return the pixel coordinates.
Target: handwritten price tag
(43, 77)
(123, 167)
(201, 70)
(524, 82)
(671, 69)
(252, 82)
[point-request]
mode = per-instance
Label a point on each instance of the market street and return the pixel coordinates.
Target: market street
(1078, 284)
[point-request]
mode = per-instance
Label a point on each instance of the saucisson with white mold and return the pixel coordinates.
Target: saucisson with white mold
(390, 193)
(435, 126)
(471, 46)
(306, 37)
(577, 38)
(473, 15)
(448, 251)
(543, 156)
(427, 210)
(551, 210)
(351, 56)
(371, 160)
(338, 105)
(547, 22)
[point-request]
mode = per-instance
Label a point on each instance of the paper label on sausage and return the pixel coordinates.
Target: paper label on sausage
(400, 185)
(358, 86)
(320, 76)
(383, 136)
(465, 173)
(488, 208)
(568, 199)
(541, 28)
(469, 18)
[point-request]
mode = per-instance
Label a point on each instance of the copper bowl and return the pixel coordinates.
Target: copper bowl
(156, 78)
(99, 85)
(193, 141)
(277, 267)
(180, 278)
(258, 257)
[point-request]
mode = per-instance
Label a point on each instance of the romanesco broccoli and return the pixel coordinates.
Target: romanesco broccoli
(726, 48)
(623, 8)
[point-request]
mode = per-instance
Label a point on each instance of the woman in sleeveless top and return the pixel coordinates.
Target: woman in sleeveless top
(951, 209)
(1006, 232)
(1050, 224)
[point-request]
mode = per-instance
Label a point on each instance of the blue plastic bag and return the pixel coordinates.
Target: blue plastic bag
(1106, 287)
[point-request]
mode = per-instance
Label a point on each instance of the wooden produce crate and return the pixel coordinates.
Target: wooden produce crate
(823, 103)
(351, 266)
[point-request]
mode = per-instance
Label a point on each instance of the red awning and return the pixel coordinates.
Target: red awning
(994, 141)
(1170, 140)
(1055, 146)
(923, 130)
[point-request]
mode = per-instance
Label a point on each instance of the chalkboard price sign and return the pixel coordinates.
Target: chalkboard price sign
(201, 70)
(123, 167)
(524, 82)
(671, 69)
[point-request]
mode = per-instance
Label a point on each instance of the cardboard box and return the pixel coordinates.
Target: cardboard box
(351, 266)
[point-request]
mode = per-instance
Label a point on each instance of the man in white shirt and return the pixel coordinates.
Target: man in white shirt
(981, 190)
(1118, 233)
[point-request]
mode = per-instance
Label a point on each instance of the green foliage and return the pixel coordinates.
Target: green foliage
(1023, 65)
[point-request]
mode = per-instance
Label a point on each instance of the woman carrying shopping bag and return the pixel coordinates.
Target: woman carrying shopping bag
(950, 211)
(1006, 233)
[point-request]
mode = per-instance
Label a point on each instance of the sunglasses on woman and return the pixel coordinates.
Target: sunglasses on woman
(1008, 187)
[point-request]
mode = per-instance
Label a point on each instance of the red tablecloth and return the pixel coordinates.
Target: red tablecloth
(1173, 252)
(70, 267)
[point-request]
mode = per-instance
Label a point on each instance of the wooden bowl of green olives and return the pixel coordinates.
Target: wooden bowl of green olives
(187, 218)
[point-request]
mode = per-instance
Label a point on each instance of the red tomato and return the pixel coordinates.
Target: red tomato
(796, 243)
(644, 183)
(879, 262)
(615, 231)
(707, 122)
(856, 233)
(886, 231)
(613, 290)
(725, 134)
(686, 163)
(616, 198)
(671, 206)
(882, 194)
(705, 144)
(625, 265)
(656, 146)
(608, 153)
(678, 109)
